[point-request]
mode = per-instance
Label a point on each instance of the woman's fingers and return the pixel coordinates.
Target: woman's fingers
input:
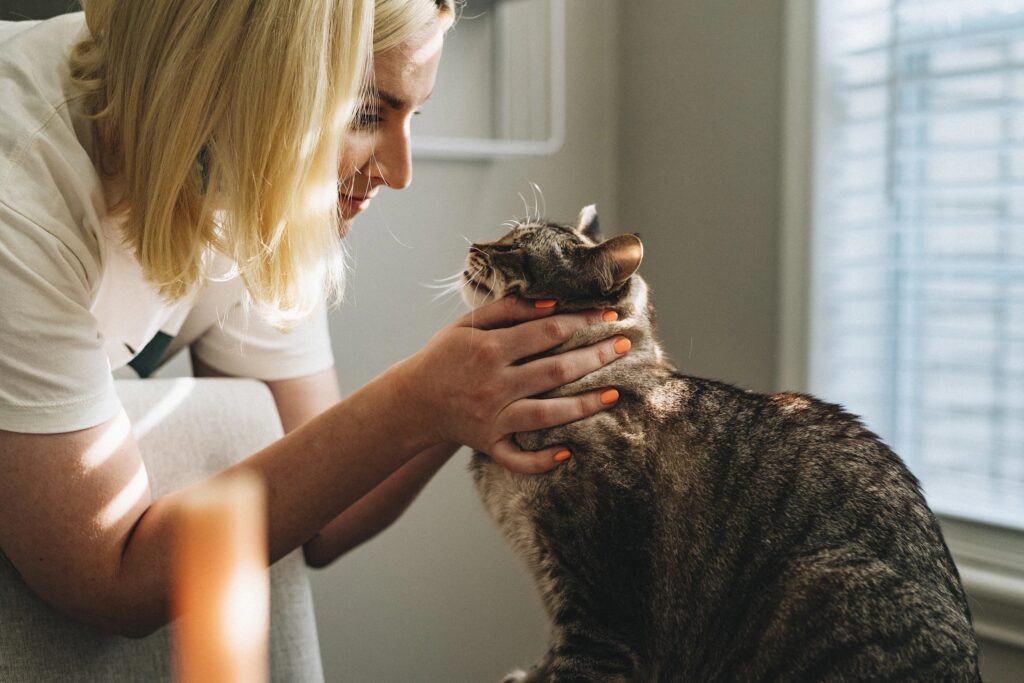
(506, 312)
(512, 458)
(469, 374)
(545, 374)
(537, 336)
(530, 414)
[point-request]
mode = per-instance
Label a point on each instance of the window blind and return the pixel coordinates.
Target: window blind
(918, 305)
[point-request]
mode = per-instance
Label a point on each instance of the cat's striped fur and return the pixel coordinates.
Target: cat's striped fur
(706, 533)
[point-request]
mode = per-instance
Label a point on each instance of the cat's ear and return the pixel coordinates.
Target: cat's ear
(587, 225)
(617, 259)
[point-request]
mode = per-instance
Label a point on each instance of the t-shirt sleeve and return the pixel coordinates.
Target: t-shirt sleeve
(244, 345)
(54, 372)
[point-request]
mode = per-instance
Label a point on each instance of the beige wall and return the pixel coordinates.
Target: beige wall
(1001, 663)
(698, 176)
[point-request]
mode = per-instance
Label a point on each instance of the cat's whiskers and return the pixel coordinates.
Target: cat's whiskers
(454, 284)
(526, 207)
(446, 290)
(541, 210)
(444, 282)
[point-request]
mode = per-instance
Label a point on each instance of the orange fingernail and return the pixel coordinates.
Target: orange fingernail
(622, 344)
(609, 396)
(562, 456)
(609, 316)
(544, 303)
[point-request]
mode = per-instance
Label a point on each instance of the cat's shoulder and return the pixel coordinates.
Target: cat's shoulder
(686, 392)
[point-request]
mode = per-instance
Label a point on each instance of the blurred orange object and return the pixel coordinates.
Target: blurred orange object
(221, 588)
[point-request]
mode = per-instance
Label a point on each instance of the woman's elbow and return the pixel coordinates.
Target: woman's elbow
(127, 623)
(324, 549)
(105, 606)
(136, 630)
(316, 555)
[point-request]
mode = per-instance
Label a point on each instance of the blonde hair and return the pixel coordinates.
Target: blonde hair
(395, 21)
(262, 93)
(224, 120)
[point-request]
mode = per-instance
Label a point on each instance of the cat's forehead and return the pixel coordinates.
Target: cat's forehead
(539, 233)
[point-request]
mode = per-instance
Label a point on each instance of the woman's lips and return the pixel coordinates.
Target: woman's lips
(354, 204)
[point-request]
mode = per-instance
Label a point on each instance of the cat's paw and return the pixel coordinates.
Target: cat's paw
(517, 676)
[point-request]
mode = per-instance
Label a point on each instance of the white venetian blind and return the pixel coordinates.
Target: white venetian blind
(918, 312)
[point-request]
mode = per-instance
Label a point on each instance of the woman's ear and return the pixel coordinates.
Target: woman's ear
(587, 225)
(617, 259)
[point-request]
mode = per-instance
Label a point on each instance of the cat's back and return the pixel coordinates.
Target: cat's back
(806, 531)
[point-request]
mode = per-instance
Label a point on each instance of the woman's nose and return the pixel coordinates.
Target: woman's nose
(394, 158)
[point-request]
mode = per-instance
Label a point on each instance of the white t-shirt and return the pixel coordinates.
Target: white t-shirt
(74, 306)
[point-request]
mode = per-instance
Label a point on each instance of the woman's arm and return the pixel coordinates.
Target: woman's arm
(378, 509)
(300, 400)
(80, 525)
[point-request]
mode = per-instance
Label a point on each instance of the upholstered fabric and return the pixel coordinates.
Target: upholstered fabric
(187, 429)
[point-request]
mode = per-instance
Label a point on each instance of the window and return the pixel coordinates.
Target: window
(917, 316)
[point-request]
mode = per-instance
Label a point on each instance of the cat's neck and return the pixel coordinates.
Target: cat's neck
(636, 323)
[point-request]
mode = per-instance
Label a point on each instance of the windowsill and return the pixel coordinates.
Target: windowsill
(991, 564)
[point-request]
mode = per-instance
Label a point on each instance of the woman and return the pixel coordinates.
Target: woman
(216, 129)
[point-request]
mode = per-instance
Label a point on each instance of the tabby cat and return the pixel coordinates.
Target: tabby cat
(704, 533)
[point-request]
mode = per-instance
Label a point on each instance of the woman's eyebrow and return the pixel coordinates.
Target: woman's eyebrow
(392, 101)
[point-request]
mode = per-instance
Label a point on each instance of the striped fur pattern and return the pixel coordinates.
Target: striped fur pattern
(706, 533)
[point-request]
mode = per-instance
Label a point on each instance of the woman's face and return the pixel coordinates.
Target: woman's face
(376, 151)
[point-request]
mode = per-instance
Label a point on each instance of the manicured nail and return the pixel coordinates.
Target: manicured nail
(609, 396)
(609, 316)
(544, 303)
(622, 344)
(562, 456)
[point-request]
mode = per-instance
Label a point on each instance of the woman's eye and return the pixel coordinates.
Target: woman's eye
(366, 119)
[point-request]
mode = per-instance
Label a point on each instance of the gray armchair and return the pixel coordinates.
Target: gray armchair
(187, 429)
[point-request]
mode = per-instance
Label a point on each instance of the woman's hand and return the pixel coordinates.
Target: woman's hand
(467, 385)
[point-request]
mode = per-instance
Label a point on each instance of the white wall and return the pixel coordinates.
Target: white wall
(438, 597)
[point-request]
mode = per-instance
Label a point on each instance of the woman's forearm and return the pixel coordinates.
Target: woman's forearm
(312, 474)
(378, 509)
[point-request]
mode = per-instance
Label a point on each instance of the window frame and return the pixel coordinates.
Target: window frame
(990, 558)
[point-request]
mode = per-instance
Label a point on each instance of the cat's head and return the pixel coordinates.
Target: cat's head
(542, 260)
